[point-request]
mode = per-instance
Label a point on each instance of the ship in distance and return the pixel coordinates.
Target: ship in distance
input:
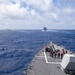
(45, 29)
(52, 59)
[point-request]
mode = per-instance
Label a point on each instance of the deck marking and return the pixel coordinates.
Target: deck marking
(39, 56)
(54, 62)
(45, 57)
(49, 62)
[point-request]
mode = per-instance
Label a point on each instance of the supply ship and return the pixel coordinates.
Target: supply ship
(52, 59)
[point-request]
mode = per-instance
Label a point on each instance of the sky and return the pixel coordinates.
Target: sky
(36, 14)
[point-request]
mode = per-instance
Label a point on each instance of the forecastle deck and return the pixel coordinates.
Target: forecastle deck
(44, 64)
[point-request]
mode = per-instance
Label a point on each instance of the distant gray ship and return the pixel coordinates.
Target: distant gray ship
(48, 30)
(45, 29)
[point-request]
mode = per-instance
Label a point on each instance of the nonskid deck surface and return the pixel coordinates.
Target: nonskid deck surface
(43, 64)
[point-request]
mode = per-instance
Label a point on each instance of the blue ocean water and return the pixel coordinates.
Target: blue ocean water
(18, 47)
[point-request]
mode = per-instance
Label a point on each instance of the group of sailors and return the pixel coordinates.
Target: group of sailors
(55, 53)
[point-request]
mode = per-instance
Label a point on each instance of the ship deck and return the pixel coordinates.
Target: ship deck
(43, 64)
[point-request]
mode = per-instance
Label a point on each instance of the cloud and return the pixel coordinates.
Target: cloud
(41, 4)
(35, 13)
(65, 3)
(12, 11)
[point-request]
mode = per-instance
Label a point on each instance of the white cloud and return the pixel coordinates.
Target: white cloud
(41, 4)
(68, 10)
(32, 12)
(54, 15)
(13, 13)
(5, 1)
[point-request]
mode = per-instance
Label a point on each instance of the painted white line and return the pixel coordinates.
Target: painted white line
(50, 62)
(45, 57)
(53, 62)
(39, 56)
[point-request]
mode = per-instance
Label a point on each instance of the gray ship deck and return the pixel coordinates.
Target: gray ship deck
(43, 64)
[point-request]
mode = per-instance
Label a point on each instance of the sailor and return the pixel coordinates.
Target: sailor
(55, 54)
(46, 49)
(58, 54)
(62, 55)
(51, 52)
(63, 51)
(66, 51)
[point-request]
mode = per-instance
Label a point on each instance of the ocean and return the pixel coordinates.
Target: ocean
(18, 47)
